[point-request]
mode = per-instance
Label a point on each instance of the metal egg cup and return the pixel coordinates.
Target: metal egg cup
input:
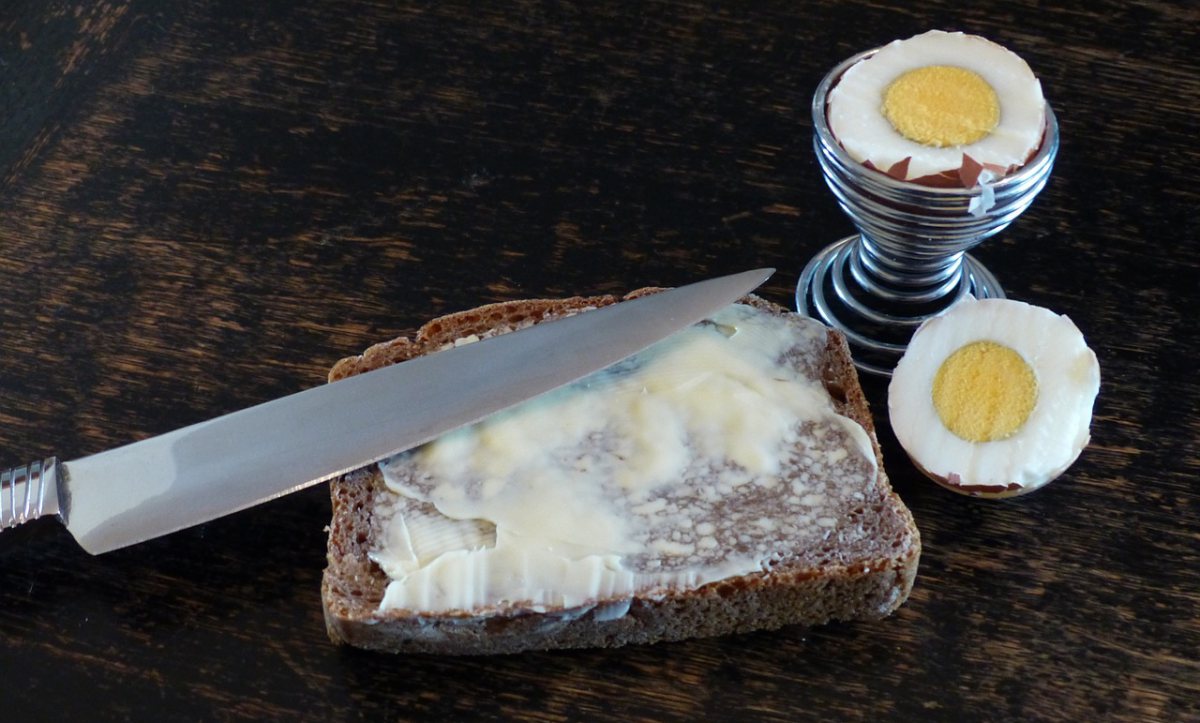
(909, 261)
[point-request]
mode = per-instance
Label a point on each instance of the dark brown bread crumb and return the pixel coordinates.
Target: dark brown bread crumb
(811, 587)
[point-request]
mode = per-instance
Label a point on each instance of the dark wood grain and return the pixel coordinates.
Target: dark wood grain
(205, 204)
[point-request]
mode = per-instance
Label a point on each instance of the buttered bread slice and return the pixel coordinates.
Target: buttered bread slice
(726, 479)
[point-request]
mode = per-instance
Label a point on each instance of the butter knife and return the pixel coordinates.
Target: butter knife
(207, 470)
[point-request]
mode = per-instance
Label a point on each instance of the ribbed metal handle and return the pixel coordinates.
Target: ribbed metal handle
(28, 492)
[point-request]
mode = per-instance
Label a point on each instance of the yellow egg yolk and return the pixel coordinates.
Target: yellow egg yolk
(941, 105)
(984, 392)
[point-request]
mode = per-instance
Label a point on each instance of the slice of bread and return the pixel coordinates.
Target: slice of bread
(862, 567)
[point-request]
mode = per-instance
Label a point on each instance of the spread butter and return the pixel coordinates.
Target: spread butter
(707, 456)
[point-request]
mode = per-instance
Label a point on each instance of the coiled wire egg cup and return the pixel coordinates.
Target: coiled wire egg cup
(908, 261)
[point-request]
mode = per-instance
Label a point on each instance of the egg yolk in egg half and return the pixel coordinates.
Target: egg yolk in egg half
(984, 392)
(941, 105)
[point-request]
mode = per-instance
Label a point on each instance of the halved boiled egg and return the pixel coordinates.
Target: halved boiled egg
(994, 397)
(939, 108)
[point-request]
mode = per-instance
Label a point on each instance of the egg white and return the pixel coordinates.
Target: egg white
(1056, 431)
(857, 121)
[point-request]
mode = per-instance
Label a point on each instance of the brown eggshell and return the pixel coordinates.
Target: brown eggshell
(989, 492)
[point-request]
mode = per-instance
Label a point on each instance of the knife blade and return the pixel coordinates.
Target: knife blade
(166, 483)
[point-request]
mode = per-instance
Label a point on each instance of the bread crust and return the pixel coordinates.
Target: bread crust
(787, 593)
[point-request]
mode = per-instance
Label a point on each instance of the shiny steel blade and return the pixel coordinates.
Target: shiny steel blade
(150, 488)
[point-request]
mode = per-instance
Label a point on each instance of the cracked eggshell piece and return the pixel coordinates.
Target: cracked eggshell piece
(939, 109)
(994, 397)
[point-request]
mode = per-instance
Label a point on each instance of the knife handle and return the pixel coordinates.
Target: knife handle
(28, 492)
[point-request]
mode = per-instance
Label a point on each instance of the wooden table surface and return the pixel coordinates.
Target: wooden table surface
(205, 204)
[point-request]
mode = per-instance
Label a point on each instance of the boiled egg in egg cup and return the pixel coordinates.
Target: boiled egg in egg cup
(930, 145)
(993, 398)
(939, 109)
